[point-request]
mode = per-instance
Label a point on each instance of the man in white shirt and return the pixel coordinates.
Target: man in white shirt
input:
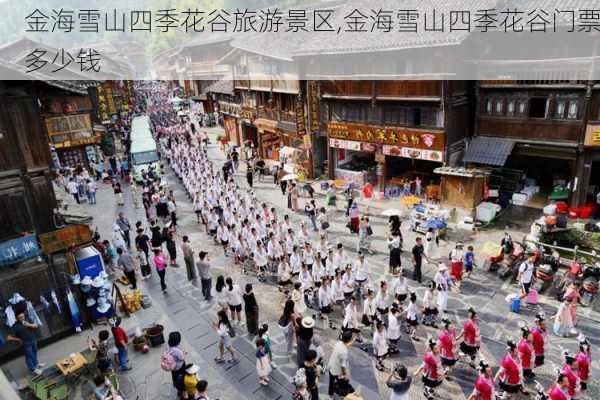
(525, 276)
(338, 362)
(73, 189)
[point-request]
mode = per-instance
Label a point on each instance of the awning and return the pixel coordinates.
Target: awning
(488, 150)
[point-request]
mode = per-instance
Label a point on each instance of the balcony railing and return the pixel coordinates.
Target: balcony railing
(276, 115)
(206, 68)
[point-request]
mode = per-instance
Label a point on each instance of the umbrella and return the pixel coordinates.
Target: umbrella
(289, 168)
(290, 177)
(435, 224)
(392, 211)
(410, 200)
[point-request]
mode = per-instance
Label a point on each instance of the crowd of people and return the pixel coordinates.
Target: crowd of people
(318, 278)
(323, 285)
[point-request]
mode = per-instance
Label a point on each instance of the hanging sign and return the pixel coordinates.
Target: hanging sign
(17, 250)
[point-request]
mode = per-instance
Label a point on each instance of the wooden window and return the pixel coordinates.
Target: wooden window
(538, 107)
(522, 107)
(488, 106)
(499, 107)
(559, 109)
(510, 107)
(573, 109)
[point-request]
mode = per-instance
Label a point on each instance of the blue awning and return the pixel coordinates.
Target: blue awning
(488, 150)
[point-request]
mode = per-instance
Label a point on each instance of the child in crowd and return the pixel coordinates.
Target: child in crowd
(469, 261)
(263, 365)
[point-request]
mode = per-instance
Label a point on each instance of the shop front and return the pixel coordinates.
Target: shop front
(230, 124)
(280, 142)
(388, 156)
(74, 139)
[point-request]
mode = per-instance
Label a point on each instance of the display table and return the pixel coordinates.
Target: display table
(357, 178)
(71, 364)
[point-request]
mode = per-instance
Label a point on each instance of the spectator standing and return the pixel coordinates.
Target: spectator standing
(338, 362)
(125, 227)
(251, 310)
(417, 259)
(399, 382)
(127, 264)
(188, 258)
(121, 340)
(23, 332)
(203, 266)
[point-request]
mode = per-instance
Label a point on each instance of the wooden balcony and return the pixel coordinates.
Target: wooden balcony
(276, 115)
(197, 69)
(543, 130)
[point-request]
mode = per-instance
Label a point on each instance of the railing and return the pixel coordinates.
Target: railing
(276, 115)
(206, 68)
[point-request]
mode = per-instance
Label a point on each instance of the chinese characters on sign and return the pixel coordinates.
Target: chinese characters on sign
(404, 137)
(64, 238)
(300, 124)
(365, 19)
(44, 60)
(17, 250)
(313, 104)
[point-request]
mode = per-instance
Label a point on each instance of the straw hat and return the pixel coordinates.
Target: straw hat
(308, 322)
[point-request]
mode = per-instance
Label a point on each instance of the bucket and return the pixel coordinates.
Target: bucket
(155, 335)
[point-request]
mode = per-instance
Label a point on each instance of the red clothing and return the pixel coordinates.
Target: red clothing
(431, 366)
(573, 379)
(446, 340)
(583, 366)
(471, 333)
(557, 393)
(512, 373)
(120, 336)
(484, 388)
(456, 270)
(538, 340)
(525, 354)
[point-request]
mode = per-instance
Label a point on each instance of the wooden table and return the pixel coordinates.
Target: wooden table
(71, 364)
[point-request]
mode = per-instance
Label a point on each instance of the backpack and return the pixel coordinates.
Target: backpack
(167, 361)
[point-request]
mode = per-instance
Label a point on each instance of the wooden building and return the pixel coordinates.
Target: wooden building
(28, 202)
(271, 108)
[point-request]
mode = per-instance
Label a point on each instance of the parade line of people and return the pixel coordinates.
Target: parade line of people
(323, 286)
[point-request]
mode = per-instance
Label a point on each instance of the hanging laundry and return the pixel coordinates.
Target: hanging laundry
(10, 316)
(75, 315)
(55, 301)
(33, 316)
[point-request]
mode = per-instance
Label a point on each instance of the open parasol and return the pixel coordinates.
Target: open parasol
(391, 212)
(290, 177)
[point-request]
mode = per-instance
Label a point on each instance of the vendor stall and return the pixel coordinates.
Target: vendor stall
(462, 187)
(428, 216)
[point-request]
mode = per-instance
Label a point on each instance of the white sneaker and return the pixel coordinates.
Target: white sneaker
(37, 371)
(41, 365)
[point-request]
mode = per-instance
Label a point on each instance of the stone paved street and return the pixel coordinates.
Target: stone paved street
(181, 308)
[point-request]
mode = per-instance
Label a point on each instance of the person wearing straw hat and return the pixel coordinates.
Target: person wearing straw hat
(442, 281)
(304, 339)
(190, 380)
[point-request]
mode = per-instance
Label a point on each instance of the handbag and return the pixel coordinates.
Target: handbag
(325, 225)
(369, 231)
(343, 387)
(231, 331)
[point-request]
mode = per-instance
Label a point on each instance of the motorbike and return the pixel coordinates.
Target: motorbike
(590, 284)
(573, 275)
(510, 265)
(545, 272)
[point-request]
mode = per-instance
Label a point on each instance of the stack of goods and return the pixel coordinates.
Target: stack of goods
(96, 293)
(133, 301)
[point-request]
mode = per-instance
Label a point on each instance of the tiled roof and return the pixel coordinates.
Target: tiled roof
(223, 85)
